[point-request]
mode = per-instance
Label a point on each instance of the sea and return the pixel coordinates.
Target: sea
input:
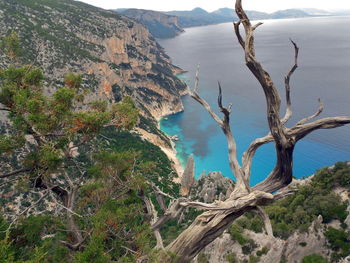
(323, 72)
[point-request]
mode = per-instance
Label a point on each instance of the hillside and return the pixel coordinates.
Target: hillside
(115, 54)
(159, 24)
(198, 17)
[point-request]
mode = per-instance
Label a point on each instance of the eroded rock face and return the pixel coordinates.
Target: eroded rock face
(116, 55)
(292, 250)
(213, 186)
(187, 179)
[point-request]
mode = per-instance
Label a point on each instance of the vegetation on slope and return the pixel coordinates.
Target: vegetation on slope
(295, 213)
(81, 174)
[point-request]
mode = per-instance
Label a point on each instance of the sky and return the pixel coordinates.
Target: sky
(211, 5)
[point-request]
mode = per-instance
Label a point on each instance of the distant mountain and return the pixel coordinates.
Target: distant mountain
(289, 13)
(226, 12)
(345, 12)
(170, 24)
(317, 12)
(256, 15)
(119, 10)
(230, 14)
(159, 24)
(198, 17)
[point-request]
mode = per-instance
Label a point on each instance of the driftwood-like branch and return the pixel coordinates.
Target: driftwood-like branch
(238, 33)
(247, 158)
(194, 94)
(316, 114)
(23, 170)
(288, 114)
(265, 217)
(153, 215)
(75, 246)
(212, 223)
(242, 186)
(160, 196)
(173, 211)
(231, 205)
(300, 131)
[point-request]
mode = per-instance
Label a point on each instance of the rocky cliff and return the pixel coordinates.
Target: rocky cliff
(116, 55)
(159, 24)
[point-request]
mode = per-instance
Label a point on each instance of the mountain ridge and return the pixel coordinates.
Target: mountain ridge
(180, 19)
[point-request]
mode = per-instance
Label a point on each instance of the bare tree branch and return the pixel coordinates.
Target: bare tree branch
(265, 217)
(173, 211)
(242, 186)
(23, 170)
(317, 113)
(152, 213)
(238, 33)
(287, 84)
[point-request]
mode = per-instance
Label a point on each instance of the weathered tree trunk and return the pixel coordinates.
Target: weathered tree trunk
(220, 215)
(71, 224)
(205, 229)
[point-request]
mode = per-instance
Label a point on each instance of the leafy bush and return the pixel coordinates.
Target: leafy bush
(296, 212)
(236, 233)
(339, 241)
(231, 258)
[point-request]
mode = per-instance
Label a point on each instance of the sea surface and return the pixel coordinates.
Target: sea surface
(324, 72)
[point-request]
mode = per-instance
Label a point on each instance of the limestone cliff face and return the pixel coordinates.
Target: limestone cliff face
(213, 186)
(116, 55)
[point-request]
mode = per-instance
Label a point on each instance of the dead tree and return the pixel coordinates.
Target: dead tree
(220, 214)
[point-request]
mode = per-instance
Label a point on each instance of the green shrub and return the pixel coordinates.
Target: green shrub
(236, 233)
(314, 258)
(253, 259)
(231, 258)
(263, 251)
(339, 242)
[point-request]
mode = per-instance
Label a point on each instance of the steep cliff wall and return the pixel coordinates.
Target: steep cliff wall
(115, 54)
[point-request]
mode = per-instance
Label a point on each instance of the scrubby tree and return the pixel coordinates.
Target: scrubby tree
(49, 139)
(11, 45)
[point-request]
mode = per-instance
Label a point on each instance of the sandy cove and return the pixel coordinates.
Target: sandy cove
(169, 151)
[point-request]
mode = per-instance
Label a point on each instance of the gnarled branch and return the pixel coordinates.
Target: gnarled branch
(288, 114)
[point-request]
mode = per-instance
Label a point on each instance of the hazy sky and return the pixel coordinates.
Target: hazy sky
(211, 5)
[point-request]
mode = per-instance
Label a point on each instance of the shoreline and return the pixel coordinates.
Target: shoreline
(171, 152)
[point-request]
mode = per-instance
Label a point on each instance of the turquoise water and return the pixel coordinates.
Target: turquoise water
(324, 66)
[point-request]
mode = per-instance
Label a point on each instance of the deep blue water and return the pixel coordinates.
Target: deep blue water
(324, 70)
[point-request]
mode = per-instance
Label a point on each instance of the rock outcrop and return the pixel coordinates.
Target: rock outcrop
(213, 186)
(187, 179)
(292, 250)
